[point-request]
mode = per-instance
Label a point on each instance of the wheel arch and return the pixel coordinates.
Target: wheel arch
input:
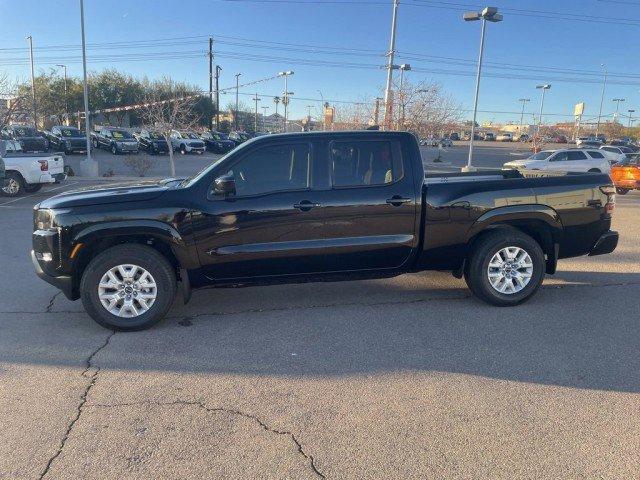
(540, 222)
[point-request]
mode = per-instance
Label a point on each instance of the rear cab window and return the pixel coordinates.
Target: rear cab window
(364, 163)
(595, 154)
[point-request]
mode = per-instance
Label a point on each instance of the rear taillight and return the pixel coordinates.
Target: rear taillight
(610, 192)
(44, 165)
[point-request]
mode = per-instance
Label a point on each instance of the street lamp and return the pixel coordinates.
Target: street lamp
(264, 117)
(90, 167)
(235, 117)
(285, 99)
(544, 88)
(631, 111)
(66, 106)
(404, 67)
(604, 86)
(488, 14)
(524, 102)
(617, 100)
(33, 82)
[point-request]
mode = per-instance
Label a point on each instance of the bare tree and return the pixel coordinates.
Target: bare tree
(13, 104)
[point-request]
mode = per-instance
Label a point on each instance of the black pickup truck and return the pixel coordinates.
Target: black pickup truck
(66, 139)
(314, 206)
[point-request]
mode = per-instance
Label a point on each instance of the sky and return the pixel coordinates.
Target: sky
(336, 48)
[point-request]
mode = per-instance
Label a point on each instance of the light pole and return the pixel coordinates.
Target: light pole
(235, 117)
(285, 98)
(218, 70)
(488, 14)
(91, 167)
(604, 87)
(544, 88)
(404, 67)
(66, 106)
(33, 82)
(617, 100)
(524, 102)
(630, 116)
(388, 103)
(264, 117)
(255, 121)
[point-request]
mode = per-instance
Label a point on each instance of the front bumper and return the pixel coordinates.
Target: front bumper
(607, 243)
(63, 282)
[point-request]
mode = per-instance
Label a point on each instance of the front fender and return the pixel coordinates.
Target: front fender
(146, 228)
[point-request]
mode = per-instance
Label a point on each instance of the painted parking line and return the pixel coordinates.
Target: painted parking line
(4, 204)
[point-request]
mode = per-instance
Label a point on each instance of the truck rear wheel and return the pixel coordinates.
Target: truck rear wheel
(506, 268)
(128, 287)
(14, 185)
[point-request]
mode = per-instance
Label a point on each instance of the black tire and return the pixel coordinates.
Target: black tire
(622, 191)
(32, 187)
(477, 266)
(594, 170)
(143, 256)
(15, 185)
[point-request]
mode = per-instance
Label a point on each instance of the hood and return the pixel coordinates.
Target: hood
(115, 193)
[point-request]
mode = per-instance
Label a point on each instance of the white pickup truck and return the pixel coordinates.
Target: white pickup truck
(26, 173)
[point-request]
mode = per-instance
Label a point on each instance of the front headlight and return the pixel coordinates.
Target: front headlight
(46, 218)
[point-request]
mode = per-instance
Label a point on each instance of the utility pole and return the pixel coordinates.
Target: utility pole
(630, 117)
(255, 120)
(617, 100)
(66, 105)
(604, 86)
(388, 99)
(33, 83)
(524, 102)
(218, 70)
(235, 117)
(285, 98)
(210, 76)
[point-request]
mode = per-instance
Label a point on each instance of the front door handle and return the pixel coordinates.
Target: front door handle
(305, 205)
(397, 200)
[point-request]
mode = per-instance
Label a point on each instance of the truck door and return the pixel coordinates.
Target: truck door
(370, 205)
(271, 225)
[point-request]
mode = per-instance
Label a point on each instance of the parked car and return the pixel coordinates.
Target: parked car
(260, 216)
(66, 139)
(626, 175)
(217, 142)
(29, 138)
(454, 137)
(28, 172)
(239, 137)
(523, 137)
(559, 139)
(488, 137)
(446, 143)
(564, 160)
(152, 142)
(588, 142)
(429, 142)
(615, 154)
(187, 142)
(504, 137)
(117, 140)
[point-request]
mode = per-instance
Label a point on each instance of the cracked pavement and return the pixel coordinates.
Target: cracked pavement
(400, 378)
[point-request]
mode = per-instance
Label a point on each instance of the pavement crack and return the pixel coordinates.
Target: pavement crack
(301, 451)
(51, 302)
(83, 400)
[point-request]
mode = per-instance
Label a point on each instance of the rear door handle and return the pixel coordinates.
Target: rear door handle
(306, 205)
(397, 200)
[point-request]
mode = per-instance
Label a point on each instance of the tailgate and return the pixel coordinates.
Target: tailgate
(56, 164)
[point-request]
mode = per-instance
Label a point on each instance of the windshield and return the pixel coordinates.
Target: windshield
(155, 136)
(24, 132)
(70, 132)
(541, 155)
(120, 134)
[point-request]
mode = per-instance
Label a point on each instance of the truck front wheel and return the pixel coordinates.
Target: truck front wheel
(505, 268)
(128, 287)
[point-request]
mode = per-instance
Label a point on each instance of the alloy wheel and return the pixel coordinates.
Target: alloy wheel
(510, 270)
(127, 291)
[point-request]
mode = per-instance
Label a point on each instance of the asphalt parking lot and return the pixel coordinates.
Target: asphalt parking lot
(399, 378)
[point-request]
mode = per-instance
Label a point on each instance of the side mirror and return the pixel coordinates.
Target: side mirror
(224, 185)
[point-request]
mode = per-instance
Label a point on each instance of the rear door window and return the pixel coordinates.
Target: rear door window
(576, 155)
(595, 154)
(365, 163)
